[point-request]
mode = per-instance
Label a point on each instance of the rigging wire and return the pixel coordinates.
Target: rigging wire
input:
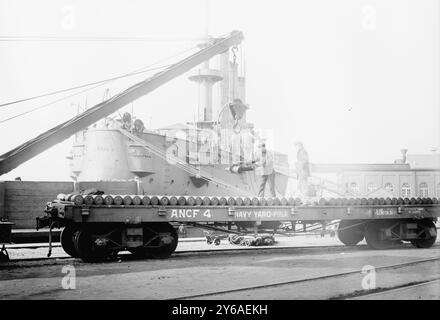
(135, 72)
(23, 38)
(64, 98)
(78, 87)
(49, 104)
(4, 38)
(99, 83)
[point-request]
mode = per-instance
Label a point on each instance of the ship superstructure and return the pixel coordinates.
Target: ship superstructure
(205, 157)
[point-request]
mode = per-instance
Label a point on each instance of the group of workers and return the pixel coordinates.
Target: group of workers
(263, 159)
(264, 168)
(263, 163)
(127, 123)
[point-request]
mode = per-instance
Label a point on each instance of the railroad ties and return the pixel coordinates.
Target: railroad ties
(157, 200)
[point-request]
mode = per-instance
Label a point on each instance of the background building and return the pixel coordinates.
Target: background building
(413, 175)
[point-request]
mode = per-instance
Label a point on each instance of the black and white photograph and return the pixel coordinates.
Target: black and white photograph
(236, 152)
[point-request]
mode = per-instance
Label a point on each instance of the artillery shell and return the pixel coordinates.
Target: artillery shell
(118, 200)
(199, 201)
(246, 201)
(77, 199)
(136, 200)
(222, 201)
(154, 200)
(164, 201)
(255, 201)
(190, 201)
(206, 201)
(172, 201)
(88, 200)
(108, 200)
(231, 201)
(98, 200)
(127, 200)
(214, 201)
(239, 201)
(146, 200)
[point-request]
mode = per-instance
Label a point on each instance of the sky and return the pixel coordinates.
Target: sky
(354, 80)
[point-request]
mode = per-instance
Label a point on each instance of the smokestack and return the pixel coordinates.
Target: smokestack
(404, 151)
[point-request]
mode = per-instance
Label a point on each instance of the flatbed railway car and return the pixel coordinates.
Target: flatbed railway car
(98, 227)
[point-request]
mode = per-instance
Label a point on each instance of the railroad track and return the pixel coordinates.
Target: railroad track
(205, 252)
(41, 261)
(325, 277)
(396, 289)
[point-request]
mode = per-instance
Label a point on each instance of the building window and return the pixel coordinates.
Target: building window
(371, 187)
(406, 190)
(354, 187)
(423, 190)
(389, 187)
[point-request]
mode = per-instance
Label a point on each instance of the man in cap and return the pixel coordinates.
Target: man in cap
(138, 126)
(264, 169)
(126, 121)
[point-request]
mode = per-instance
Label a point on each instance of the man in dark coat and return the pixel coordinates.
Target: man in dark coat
(302, 167)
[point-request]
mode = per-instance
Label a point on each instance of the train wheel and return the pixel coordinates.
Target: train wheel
(351, 232)
(426, 238)
(89, 246)
(160, 240)
(374, 235)
(67, 241)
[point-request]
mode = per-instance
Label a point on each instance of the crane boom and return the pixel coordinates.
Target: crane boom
(48, 139)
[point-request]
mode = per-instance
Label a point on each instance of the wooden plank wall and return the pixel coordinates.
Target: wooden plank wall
(26, 200)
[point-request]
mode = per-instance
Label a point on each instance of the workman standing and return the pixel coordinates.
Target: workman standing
(264, 169)
(302, 167)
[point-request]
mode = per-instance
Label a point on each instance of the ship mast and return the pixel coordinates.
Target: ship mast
(205, 77)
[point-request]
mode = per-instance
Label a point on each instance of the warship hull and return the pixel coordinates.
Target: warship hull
(109, 155)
